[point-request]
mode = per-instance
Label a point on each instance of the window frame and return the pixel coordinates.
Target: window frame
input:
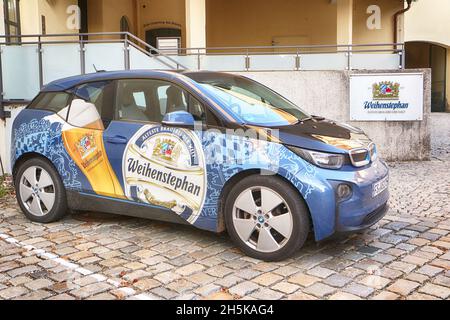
(69, 101)
(10, 23)
(206, 107)
(73, 90)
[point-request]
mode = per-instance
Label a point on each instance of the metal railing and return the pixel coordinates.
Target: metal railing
(127, 39)
(298, 52)
(252, 58)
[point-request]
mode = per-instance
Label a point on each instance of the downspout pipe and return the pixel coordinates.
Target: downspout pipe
(398, 14)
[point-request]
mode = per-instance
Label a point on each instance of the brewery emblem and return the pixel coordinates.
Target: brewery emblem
(386, 90)
(86, 145)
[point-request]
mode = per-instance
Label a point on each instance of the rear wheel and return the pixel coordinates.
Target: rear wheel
(266, 218)
(40, 191)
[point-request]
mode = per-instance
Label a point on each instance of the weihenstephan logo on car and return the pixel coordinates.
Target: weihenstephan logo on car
(165, 167)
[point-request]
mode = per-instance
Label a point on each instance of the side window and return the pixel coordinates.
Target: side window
(51, 101)
(133, 101)
(150, 100)
(88, 104)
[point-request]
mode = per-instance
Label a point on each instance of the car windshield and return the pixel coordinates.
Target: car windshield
(252, 102)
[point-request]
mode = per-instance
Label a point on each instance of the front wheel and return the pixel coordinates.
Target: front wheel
(266, 217)
(40, 191)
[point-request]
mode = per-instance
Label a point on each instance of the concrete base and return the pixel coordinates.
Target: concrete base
(326, 93)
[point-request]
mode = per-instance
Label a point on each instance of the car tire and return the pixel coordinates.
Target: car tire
(272, 235)
(40, 192)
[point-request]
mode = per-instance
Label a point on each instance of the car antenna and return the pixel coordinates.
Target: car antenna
(96, 70)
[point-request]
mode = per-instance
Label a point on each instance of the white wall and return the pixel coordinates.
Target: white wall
(326, 93)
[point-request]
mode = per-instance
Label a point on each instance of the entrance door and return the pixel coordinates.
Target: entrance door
(151, 36)
(426, 55)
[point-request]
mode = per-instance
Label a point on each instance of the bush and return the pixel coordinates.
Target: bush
(6, 188)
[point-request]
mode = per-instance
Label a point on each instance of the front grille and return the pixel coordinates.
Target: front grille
(360, 157)
(373, 217)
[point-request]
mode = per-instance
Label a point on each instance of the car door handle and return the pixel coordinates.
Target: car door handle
(117, 140)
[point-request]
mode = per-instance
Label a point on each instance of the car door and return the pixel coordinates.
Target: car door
(87, 118)
(157, 165)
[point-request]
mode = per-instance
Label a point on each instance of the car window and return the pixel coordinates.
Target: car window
(87, 106)
(150, 100)
(51, 101)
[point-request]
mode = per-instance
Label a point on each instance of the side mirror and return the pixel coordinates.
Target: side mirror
(179, 119)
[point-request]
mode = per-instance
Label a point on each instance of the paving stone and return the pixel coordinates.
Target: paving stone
(337, 280)
(421, 297)
(417, 277)
(303, 279)
(190, 269)
(320, 290)
(320, 272)
(403, 287)
(244, 288)
(267, 294)
(13, 292)
(435, 290)
(386, 295)
(146, 284)
(38, 284)
(285, 287)
(359, 290)
(344, 296)
(430, 270)
(267, 279)
(228, 281)
(181, 285)
(442, 280)
(207, 290)
(91, 290)
(376, 282)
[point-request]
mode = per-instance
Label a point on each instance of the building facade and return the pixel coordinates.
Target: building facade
(237, 23)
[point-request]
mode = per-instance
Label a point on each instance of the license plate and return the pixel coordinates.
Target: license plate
(379, 187)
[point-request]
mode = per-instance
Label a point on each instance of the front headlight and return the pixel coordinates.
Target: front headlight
(323, 160)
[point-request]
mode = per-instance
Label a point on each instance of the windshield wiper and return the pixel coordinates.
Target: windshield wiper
(306, 119)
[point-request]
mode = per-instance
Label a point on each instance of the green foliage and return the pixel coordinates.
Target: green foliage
(6, 188)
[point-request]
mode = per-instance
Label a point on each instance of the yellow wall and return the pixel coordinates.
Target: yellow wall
(162, 14)
(260, 22)
(429, 21)
(361, 34)
(105, 15)
(54, 12)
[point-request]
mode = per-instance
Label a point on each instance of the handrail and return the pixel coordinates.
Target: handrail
(294, 47)
(126, 35)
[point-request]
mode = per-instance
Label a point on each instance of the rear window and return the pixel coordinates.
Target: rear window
(51, 101)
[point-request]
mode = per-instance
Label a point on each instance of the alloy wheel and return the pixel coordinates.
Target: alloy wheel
(262, 219)
(37, 191)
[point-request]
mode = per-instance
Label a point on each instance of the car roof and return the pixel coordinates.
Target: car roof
(68, 83)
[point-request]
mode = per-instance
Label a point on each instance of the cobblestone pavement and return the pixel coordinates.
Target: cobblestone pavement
(93, 256)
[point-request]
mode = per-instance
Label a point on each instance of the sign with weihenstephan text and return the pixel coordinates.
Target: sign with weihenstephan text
(386, 97)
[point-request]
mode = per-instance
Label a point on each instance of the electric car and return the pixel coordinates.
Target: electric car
(213, 150)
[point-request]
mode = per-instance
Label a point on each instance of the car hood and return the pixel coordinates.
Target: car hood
(321, 135)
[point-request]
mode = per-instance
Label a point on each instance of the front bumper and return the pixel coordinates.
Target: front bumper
(361, 210)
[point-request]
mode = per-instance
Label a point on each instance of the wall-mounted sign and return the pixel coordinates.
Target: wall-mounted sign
(386, 97)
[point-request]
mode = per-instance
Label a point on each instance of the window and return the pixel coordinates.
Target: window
(12, 20)
(151, 100)
(252, 102)
(89, 103)
(51, 101)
